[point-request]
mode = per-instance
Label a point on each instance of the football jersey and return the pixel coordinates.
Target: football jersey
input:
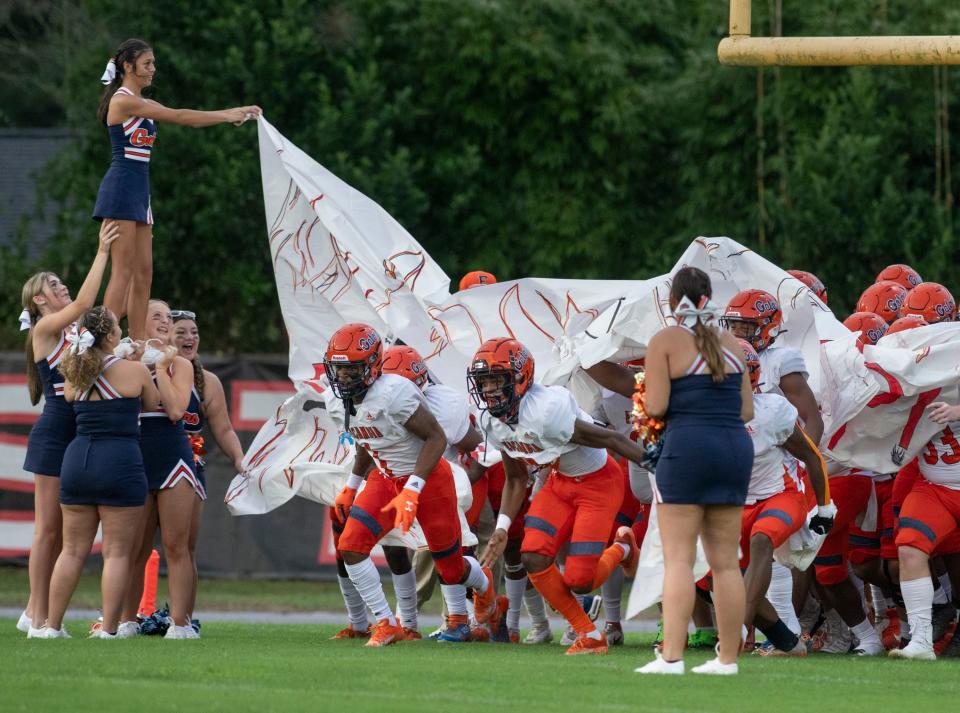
(452, 412)
(940, 460)
(774, 470)
(542, 433)
(617, 410)
(378, 426)
(777, 362)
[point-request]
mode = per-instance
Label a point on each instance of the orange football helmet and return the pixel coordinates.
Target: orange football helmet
(869, 325)
(812, 281)
(903, 275)
(406, 362)
(477, 278)
(512, 362)
(883, 299)
(932, 301)
(753, 315)
(911, 321)
(353, 359)
(752, 359)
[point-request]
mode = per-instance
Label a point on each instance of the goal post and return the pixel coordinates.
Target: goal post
(743, 50)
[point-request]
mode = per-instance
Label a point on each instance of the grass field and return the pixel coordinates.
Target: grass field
(241, 667)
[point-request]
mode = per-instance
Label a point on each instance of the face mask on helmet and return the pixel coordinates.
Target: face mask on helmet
(493, 391)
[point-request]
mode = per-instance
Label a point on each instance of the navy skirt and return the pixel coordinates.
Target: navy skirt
(49, 438)
(103, 471)
(705, 465)
(124, 195)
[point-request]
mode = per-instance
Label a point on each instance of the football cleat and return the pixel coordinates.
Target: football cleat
(629, 563)
(485, 603)
(943, 618)
(569, 636)
(614, 633)
(539, 633)
(128, 629)
(587, 645)
(952, 650)
(479, 634)
(799, 650)
(408, 633)
(349, 632)
(181, 632)
(45, 632)
(833, 637)
(457, 630)
(890, 635)
(500, 633)
(383, 634)
(702, 639)
(914, 650)
(514, 636)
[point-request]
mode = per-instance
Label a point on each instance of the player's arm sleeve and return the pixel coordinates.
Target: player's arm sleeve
(793, 363)
(405, 401)
(559, 416)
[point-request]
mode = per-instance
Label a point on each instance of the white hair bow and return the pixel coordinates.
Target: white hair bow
(26, 321)
(80, 340)
(688, 313)
(110, 73)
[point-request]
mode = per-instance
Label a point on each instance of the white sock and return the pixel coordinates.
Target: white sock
(945, 585)
(366, 579)
(918, 598)
(780, 595)
(940, 593)
(515, 589)
(356, 609)
(877, 597)
(595, 634)
(455, 595)
(612, 592)
(405, 587)
(476, 578)
(865, 633)
(536, 608)
(626, 550)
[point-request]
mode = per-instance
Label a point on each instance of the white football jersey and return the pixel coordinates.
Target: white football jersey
(543, 430)
(777, 362)
(452, 412)
(617, 410)
(378, 426)
(940, 459)
(774, 419)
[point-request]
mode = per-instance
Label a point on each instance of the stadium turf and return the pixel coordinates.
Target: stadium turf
(241, 667)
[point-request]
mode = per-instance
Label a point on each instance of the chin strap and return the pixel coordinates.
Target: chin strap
(348, 411)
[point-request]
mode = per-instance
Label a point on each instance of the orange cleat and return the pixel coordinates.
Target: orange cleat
(625, 536)
(890, 636)
(479, 634)
(586, 645)
(514, 637)
(384, 634)
(409, 634)
(350, 633)
(485, 603)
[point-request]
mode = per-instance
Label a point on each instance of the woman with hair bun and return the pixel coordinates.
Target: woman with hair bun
(124, 193)
(102, 481)
(696, 379)
(47, 313)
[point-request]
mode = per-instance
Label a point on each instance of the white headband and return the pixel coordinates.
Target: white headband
(25, 320)
(110, 73)
(687, 313)
(80, 340)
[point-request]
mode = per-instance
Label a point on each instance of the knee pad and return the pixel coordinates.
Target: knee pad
(513, 568)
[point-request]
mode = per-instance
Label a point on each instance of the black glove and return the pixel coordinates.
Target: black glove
(822, 522)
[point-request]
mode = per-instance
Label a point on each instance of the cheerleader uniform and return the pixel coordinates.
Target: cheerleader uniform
(103, 464)
(167, 455)
(125, 189)
(193, 425)
(56, 427)
(707, 453)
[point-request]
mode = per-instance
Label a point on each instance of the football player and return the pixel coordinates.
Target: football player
(401, 445)
(531, 423)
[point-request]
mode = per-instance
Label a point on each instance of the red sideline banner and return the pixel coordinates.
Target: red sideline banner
(294, 541)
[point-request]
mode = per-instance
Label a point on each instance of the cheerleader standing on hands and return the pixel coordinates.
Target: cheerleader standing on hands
(124, 193)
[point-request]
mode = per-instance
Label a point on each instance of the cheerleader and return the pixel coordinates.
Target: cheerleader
(208, 404)
(47, 312)
(171, 476)
(124, 193)
(102, 482)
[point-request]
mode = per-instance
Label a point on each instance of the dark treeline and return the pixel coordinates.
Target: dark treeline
(561, 138)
